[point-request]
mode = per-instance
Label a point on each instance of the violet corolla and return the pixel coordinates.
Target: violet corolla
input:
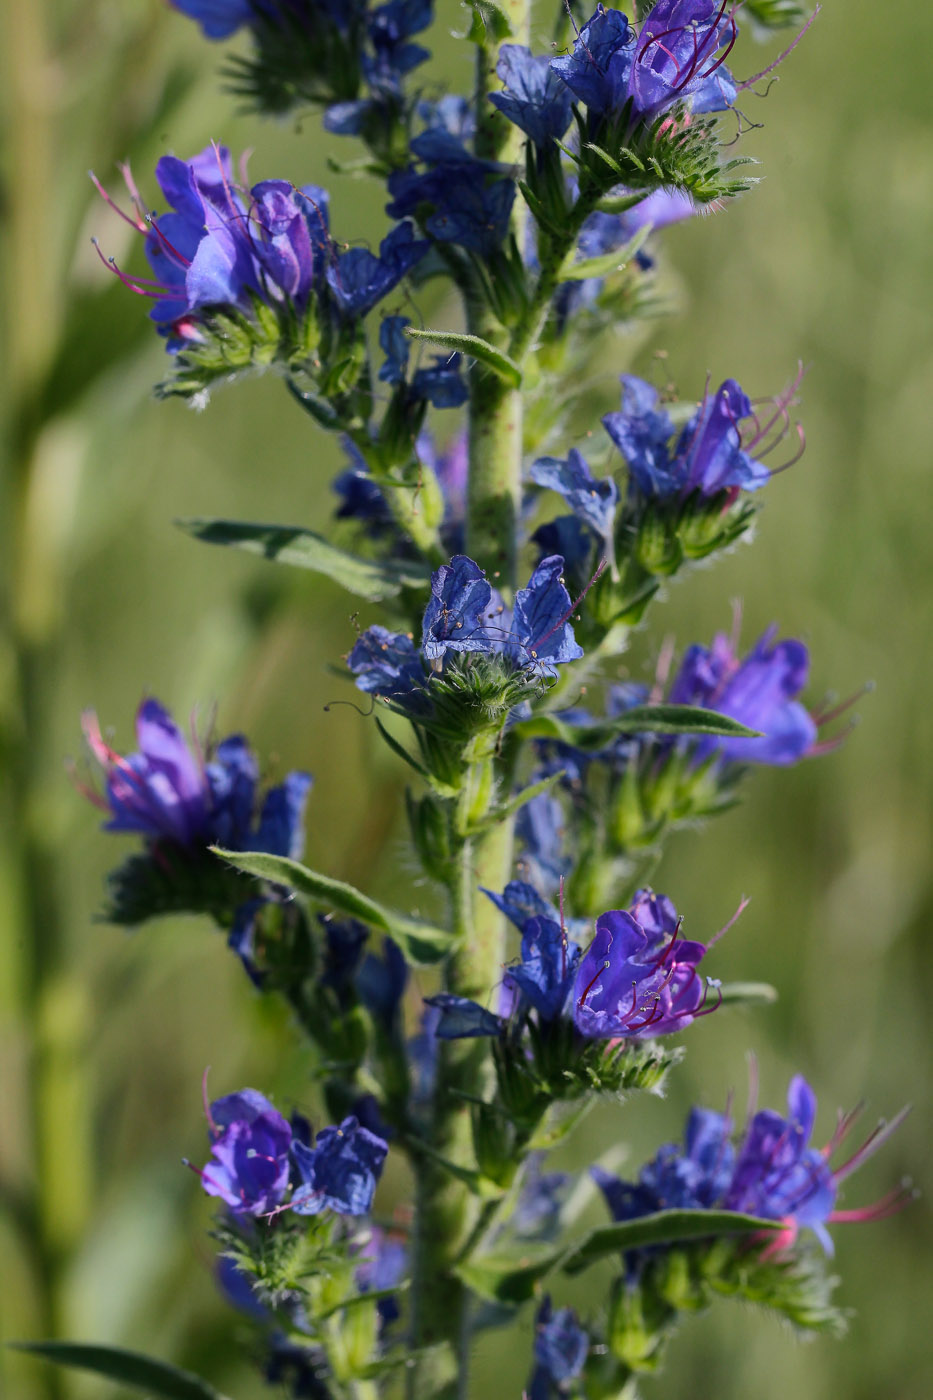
(771, 1171)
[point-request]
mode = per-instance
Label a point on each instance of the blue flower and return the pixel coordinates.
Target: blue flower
(547, 968)
(454, 617)
(468, 204)
(534, 98)
(223, 244)
(166, 792)
(383, 1265)
(442, 383)
(217, 18)
(674, 58)
(520, 902)
(460, 1018)
(250, 1142)
(542, 635)
(396, 347)
(772, 1172)
(712, 453)
(594, 502)
(560, 1350)
(359, 278)
(388, 664)
(638, 977)
(340, 1172)
(537, 1210)
(759, 691)
(539, 827)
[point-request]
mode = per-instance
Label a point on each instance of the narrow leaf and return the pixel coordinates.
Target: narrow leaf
(606, 263)
(663, 1227)
(748, 994)
(401, 751)
(128, 1367)
(420, 942)
(507, 1278)
(290, 544)
(681, 719)
(520, 798)
(476, 348)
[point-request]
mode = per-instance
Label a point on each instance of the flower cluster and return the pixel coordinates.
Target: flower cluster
(260, 1164)
(771, 1172)
(465, 616)
(323, 51)
(182, 802)
(261, 258)
(638, 978)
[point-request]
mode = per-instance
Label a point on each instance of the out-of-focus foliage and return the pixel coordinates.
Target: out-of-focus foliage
(827, 260)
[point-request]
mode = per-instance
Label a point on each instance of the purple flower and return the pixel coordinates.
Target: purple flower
(594, 502)
(358, 279)
(454, 617)
(713, 453)
(250, 1142)
(340, 1172)
(675, 57)
(166, 792)
(442, 383)
(759, 691)
(560, 1350)
(224, 244)
(638, 977)
(772, 1171)
(534, 98)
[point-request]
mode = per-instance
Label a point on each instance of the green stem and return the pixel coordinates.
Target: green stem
(445, 1212)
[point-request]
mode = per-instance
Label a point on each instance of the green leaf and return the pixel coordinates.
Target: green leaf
(606, 263)
(127, 1367)
(520, 798)
(655, 719)
(489, 22)
(401, 751)
(507, 1278)
(663, 1227)
(290, 544)
(478, 349)
(748, 994)
(420, 942)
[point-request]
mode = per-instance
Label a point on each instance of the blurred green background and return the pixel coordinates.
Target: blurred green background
(104, 1036)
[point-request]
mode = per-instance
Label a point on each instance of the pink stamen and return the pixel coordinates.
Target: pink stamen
(204, 1099)
(870, 1146)
(136, 223)
(749, 82)
(744, 902)
(896, 1200)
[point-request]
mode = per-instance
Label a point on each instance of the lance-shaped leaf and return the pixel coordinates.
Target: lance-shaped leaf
(748, 994)
(605, 263)
(477, 348)
(146, 1373)
(640, 719)
(420, 942)
(662, 1227)
(290, 544)
(508, 1278)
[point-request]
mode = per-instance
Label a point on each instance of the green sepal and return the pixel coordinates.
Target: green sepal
(661, 1227)
(477, 348)
(131, 1368)
(421, 943)
(291, 544)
